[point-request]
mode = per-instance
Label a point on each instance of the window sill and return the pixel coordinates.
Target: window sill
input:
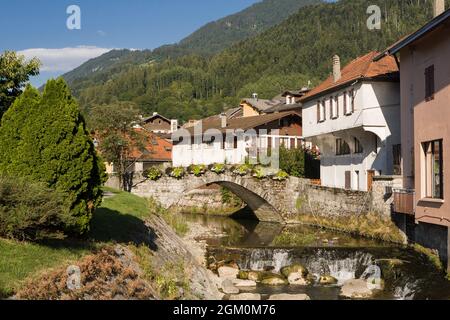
(432, 200)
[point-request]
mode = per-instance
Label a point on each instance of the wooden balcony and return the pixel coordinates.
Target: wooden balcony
(404, 201)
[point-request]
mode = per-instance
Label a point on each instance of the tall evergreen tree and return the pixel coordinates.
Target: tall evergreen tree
(45, 139)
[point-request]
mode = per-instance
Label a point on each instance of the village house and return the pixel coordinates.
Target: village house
(203, 149)
(287, 101)
(353, 117)
(150, 150)
(160, 124)
(425, 131)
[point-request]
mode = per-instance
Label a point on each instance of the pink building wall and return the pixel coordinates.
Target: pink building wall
(423, 121)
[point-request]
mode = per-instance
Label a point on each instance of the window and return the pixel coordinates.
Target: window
(434, 182)
(342, 147)
(429, 83)
(334, 107)
(397, 158)
(352, 101)
(320, 111)
(358, 146)
(229, 142)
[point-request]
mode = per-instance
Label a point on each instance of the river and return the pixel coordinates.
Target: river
(261, 246)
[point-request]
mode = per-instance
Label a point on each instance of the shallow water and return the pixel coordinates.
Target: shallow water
(263, 246)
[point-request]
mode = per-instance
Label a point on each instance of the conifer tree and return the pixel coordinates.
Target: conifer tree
(46, 140)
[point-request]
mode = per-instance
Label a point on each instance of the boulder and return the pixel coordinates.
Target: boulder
(244, 283)
(297, 268)
(228, 287)
(243, 275)
(246, 296)
(288, 297)
(255, 276)
(274, 280)
(356, 289)
(328, 280)
(226, 272)
(296, 278)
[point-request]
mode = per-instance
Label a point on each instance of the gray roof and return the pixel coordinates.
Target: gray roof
(261, 104)
(285, 107)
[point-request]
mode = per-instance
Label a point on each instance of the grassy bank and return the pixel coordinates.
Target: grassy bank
(369, 225)
(118, 220)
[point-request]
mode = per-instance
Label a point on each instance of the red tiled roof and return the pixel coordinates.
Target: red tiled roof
(154, 148)
(361, 68)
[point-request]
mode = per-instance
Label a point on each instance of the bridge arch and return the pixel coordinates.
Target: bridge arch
(268, 199)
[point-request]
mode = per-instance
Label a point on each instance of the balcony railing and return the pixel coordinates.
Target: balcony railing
(405, 201)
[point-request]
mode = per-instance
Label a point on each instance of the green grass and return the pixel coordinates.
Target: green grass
(19, 260)
(118, 220)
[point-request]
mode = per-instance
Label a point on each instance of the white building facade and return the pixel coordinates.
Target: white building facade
(355, 122)
(233, 142)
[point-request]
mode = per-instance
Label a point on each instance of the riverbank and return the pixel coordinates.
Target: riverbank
(123, 221)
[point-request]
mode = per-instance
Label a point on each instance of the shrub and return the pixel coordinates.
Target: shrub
(259, 173)
(153, 174)
(243, 169)
(32, 211)
(177, 173)
(197, 170)
(44, 138)
(292, 161)
(218, 168)
(281, 176)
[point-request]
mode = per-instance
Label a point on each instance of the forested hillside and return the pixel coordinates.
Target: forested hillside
(210, 39)
(221, 34)
(285, 56)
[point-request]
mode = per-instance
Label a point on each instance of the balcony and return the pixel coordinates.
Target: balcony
(405, 201)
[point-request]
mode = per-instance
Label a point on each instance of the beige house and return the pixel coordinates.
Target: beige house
(424, 58)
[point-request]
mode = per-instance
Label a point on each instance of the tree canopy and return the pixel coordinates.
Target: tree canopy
(44, 138)
(14, 74)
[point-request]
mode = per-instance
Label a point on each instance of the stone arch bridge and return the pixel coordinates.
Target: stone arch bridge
(270, 200)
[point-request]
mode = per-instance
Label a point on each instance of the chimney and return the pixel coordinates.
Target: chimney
(173, 125)
(155, 113)
(223, 120)
(255, 96)
(438, 7)
(336, 68)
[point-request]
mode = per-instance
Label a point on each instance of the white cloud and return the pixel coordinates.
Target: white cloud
(63, 59)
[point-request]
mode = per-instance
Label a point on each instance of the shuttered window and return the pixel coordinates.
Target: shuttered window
(429, 83)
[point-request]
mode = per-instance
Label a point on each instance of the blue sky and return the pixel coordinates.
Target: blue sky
(38, 27)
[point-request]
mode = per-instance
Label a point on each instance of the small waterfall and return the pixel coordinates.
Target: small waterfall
(264, 258)
(343, 269)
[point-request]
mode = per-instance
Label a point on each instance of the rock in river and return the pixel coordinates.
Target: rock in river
(296, 278)
(244, 283)
(328, 280)
(246, 296)
(297, 268)
(356, 289)
(274, 280)
(285, 297)
(228, 272)
(228, 287)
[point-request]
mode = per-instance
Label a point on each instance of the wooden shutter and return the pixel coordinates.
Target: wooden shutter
(337, 106)
(318, 111)
(429, 83)
(348, 180)
(345, 103)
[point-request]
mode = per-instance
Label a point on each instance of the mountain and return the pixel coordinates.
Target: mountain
(221, 34)
(210, 39)
(286, 56)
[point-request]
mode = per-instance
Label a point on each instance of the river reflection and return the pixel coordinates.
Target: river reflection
(259, 246)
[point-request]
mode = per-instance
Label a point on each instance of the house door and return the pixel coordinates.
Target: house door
(348, 180)
(370, 175)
